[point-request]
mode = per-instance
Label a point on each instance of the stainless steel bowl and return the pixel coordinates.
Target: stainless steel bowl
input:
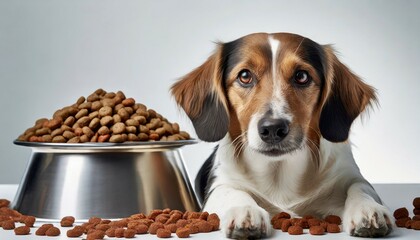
(105, 180)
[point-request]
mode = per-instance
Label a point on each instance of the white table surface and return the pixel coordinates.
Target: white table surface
(394, 196)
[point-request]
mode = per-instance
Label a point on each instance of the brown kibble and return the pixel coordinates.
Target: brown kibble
(110, 232)
(67, 221)
(104, 138)
(118, 128)
(333, 219)
(129, 233)
(313, 222)
(22, 230)
(175, 217)
(141, 228)
(85, 106)
(154, 213)
(8, 225)
(416, 202)
(171, 227)
(43, 229)
(194, 215)
(416, 218)
(204, 226)
(95, 234)
(163, 233)
(82, 113)
(295, 230)
(52, 232)
(29, 221)
(75, 232)
(193, 228)
(154, 227)
(400, 222)
(107, 120)
(333, 228)
(277, 223)
(162, 218)
(183, 232)
(128, 102)
(285, 224)
(316, 230)
(118, 138)
(302, 223)
(181, 223)
(408, 224)
(214, 220)
(401, 213)
(95, 220)
(4, 203)
(102, 227)
(119, 232)
(415, 225)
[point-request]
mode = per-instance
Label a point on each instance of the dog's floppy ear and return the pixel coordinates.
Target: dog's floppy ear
(202, 96)
(346, 96)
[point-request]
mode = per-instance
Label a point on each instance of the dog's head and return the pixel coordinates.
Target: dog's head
(273, 93)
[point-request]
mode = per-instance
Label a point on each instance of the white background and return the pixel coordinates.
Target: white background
(52, 52)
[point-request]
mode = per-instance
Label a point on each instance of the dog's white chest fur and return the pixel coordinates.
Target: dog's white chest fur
(294, 182)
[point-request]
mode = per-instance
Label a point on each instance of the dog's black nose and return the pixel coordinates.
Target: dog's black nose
(273, 130)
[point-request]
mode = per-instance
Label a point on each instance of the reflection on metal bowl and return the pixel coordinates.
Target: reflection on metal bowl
(104, 180)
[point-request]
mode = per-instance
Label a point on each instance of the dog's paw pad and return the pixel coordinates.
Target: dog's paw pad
(368, 220)
(247, 223)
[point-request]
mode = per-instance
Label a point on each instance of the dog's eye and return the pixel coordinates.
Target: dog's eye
(245, 78)
(302, 78)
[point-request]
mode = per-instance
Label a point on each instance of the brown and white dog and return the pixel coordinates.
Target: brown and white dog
(281, 106)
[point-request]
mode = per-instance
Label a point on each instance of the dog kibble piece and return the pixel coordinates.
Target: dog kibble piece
(400, 222)
(22, 230)
(295, 230)
(154, 227)
(43, 229)
(333, 228)
(119, 232)
(52, 232)
(129, 233)
(415, 225)
(416, 202)
(401, 213)
(163, 233)
(416, 211)
(110, 232)
(75, 232)
(333, 219)
(314, 222)
(171, 227)
(183, 232)
(67, 221)
(316, 230)
(29, 221)
(95, 234)
(141, 228)
(285, 224)
(4, 203)
(8, 225)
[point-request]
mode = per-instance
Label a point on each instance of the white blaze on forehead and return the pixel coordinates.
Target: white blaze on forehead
(278, 102)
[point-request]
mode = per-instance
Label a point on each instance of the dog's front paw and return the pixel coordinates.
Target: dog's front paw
(246, 223)
(367, 219)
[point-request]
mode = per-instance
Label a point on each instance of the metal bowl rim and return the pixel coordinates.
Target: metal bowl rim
(108, 145)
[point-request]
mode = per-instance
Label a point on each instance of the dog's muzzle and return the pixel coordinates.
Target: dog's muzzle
(273, 130)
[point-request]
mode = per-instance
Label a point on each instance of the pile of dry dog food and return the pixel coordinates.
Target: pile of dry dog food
(294, 226)
(402, 216)
(104, 117)
(162, 223)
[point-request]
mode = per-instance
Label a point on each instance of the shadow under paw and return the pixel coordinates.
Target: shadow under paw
(372, 231)
(247, 233)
